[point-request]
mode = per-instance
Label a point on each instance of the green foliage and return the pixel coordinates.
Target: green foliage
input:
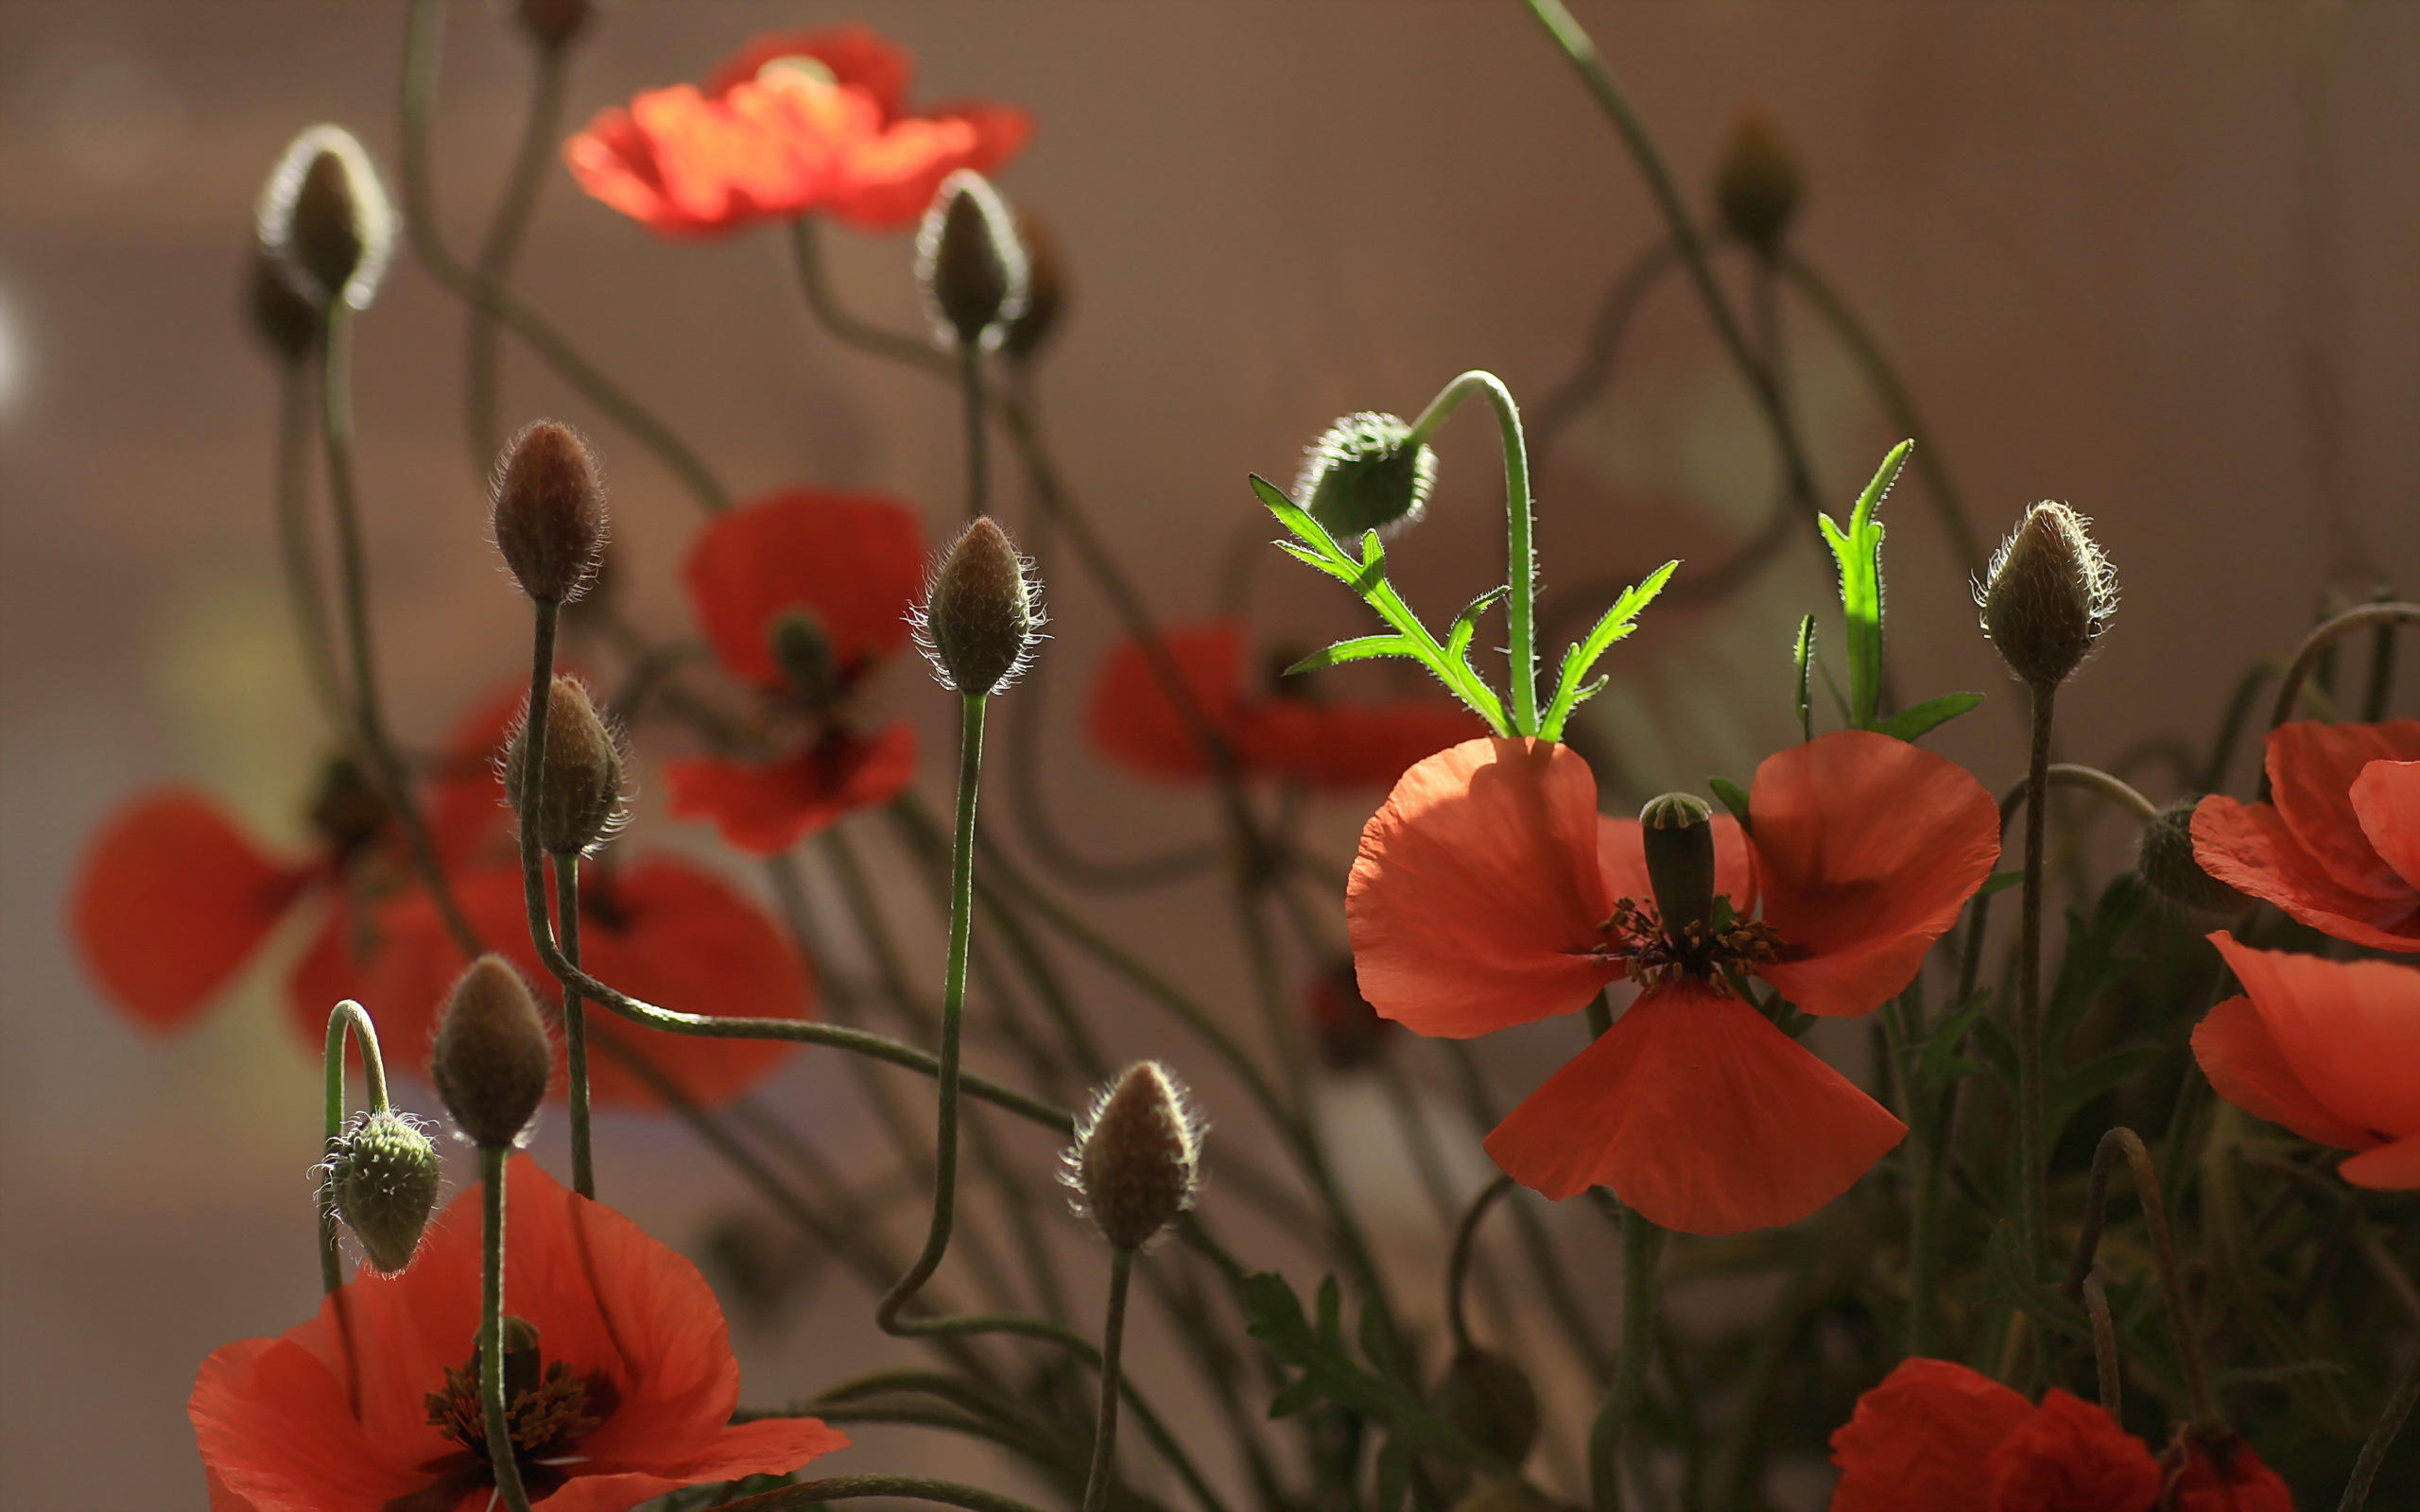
(1571, 686)
(1858, 551)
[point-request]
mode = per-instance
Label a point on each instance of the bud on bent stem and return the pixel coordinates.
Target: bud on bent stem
(1366, 473)
(576, 796)
(381, 1177)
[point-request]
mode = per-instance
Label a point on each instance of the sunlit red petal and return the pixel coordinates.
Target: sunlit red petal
(1132, 721)
(886, 182)
(855, 560)
(1917, 1440)
(2242, 1059)
(271, 1418)
(2311, 770)
(766, 808)
(1622, 857)
(1700, 1114)
(1866, 848)
(613, 161)
(857, 55)
(1342, 745)
(2249, 847)
(2071, 1456)
(2349, 1030)
(2386, 799)
(1475, 895)
(171, 900)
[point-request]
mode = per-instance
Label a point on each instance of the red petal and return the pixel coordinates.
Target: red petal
(1131, 719)
(885, 182)
(1475, 897)
(2386, 799)
(2250, 848)
(464, 798)
(855, 560)
(1332, 745)
(2245, 1066)
(2349, 1030)
(173, 899)
(615, 162)
(2245, 1485)
(2070, 1456)
(2311, 770)
(1866, 849)
(2389, 1168)
(766, 809)
(1700, 1114)
(1622, 857)
(1916, 1440)
(270, 1417)
(857, 55)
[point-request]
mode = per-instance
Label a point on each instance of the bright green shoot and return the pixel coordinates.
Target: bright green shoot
(1859, 551)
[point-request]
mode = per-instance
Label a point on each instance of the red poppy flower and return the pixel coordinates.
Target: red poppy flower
(372, 1405)
(2337, 846)
(1320, 745)
(1490, 892)
(793, 124)
(1935, 1436)
(2325, 1048)
(830, 576)
(173, 898)
(2222, 1474)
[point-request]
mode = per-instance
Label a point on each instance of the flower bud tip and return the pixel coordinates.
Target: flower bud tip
(2048, 595)
(493, 1058)
(547, 510)
(1756, 184)
(1136, 1159)
(970, 266)
(324, 220)
(580, 785)
(1360, 474)
(979, 621)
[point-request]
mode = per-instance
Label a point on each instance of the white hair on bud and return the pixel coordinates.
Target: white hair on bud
(374, 214)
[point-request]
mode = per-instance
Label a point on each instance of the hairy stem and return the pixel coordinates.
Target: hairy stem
(1113, 1342)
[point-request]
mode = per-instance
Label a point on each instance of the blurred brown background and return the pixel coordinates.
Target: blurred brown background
(2157, 259)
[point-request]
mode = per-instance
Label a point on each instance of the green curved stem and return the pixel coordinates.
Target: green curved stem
(1520, 554)
(2123, 1143)
(2307, 656)
(483, 394)
(298, 553)
(583, 1161)
(346, 1017)
(1465, 1236)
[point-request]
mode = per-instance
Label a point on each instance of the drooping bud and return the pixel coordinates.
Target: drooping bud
(551, 23)
(1360, 474)
(979, 619)
(579, 783)
(1677, 831)
(1136, 1158)
(804, 653)
(1490, 1400)
(547, 509)
(381, 1177)
(286, 323)
(1045, 289)
(970, 266)
(2048, 595)
(491, 1058)
(2166, 861)
(1756, 184)
(325, 222)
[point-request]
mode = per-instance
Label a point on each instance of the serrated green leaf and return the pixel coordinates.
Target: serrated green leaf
(1303, 1394)
(1733, 797)
(1858, 551)
(1912, 723)
(1804, 653)
(1466, 628)
(1361, 649)
(1342, 572)
(1580, 659)
(1998, 1050)
(1941, 1063)
(2013, 1282)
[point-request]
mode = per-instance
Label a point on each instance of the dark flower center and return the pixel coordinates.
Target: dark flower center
(1715, 953)
(549, 1408)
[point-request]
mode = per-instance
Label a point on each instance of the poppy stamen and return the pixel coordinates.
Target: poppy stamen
(1714, 952)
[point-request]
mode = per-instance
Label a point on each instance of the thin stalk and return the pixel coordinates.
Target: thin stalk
(1598, 353)
(501, 1460)
(482, 399)
(2382, 683)
(1520, 555)
(346, 1017)
(1112, 1343)
(2398, 1407)
(1614, 1448)
(2033, 1199)
(1465, 1237)
(583, 1164)
(978, 469)
(2315, 646)
(815, 282)
(2124, 1144)
(298, 552)
(2107, 1364)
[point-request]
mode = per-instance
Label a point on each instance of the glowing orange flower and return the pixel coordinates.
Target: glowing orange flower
(830, 576)
(1490, 892)
(1323, 746)
(371, 1406)
(2337, 846)
(793, 124)
(1936, 1436)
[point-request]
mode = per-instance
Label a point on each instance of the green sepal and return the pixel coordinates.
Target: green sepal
(1733, 797)
(1913, 723)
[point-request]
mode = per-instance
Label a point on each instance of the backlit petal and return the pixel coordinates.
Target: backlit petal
(2386, 799)
(765, 808)
(2242, 1059)
(2350, 1030)
(1132, 721)
(2249, 847)
(271, 1418)
(1916, 1440)
(2312, 770)
(857, 55)
(2390, 1167)
(1622, 858)
(855, 560)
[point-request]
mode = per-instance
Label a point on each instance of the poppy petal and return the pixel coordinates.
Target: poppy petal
(2243, 1484)
(1622, 855)
(855, 560)
(1476, 898)
(2349, 1030)
(464, 797)
(2386, 799)
(1915, 1440)
(765, 809)
(2250, 848)
(171, 900)
(1866, 849)
(270, 1417)
(1700, 1114)
(2071, 1456)
(2390, 1167)
(2242, 1059)
(1343, 746)
(2311, 770)
(1133, 722)
(859, 57)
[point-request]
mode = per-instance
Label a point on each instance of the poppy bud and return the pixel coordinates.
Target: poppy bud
(324, 220)
(381, 1177)
(1046, 290)
(580, 787)
(547, 510)
(968, 264)
(804, 653)
(1677, 831)
(1490, 1400)
(493, 1058)
(2165, 862)
(286, 322)
(1756, 184)
(2046, 595)
(979, 622)
(1360, 475)
(1137, 1157)
(551, 23)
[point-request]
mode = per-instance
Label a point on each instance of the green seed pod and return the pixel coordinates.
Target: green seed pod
(2048, 595)
(979, 622)
(1490, 1400)
(1756, 184)
(970, 267)
(580, 787)
(1136, 1159)
(1361, 475)
(493, 1058)
(547, 510)
(1677, 831)
(381, 1177)
(2166, 861)
(325, 220)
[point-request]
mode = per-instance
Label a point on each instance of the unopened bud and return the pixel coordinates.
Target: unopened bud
(968, 264)
(287, 322)
(1756, 184)
(493, 1058)
(1490, 1400)
(1677, 831)
(979, 622)
(1362, 474)
(580, 782)
(551, 23)
(548, 507)
(2165, 862)
(1045, 289)
(325, 222)
(804, 653)
(2048, 595)
(381, 1177)
(1136, 1158)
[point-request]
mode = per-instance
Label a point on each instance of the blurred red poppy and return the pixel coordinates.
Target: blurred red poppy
(1490, 892)
(371, 1406)
(2222, 1474)
(1322, 745)
(1935, 1436)
(793, 124)
(804, 595)
(2325, 1048)
(2338, 845)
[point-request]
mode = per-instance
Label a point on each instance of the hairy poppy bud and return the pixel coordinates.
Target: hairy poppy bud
(1360, 475)
(381, 1177)
(1137, 1157)
(1677, 831)
(1045, 289)
(286, 323)
(551, 23)
(979, 621)
(2166, 861)
(1490, 1400)
(491, 1058)
(1756, 184)
(804, 653)
(547, 509)
(325, 220)
(2046, 595)
(968, 264)
(580, 785)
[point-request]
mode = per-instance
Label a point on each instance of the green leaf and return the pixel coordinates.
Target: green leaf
(1998, 1050)
(1999, 881)
(1362, 649)
(1804, 654)
(2071, 1091)
(1859, 551)
(1581, 658)
(2011, 1283)
(1940, 1064)
(1912, 724)
(1733, 799)
(1300, 1397)
(1465, 627)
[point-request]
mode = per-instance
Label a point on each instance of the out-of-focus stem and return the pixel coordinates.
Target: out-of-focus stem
(583, 1164)
(1112, 1343)
(482, 398)
(298, 552)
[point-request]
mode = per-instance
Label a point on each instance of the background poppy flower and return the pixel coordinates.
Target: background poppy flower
(634, 1359)
(2222, 1474)
(1322, 745)
(854, 564)
(1935, 1436)
(765, 140)
(2326, 1048)
(1484, 896)
(2338, 845)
